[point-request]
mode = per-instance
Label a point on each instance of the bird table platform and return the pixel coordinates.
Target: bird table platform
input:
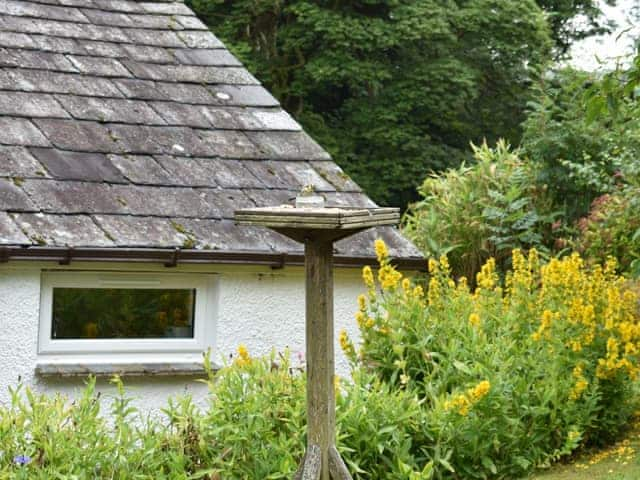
(318, 228)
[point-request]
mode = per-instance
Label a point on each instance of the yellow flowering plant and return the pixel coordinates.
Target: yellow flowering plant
(516, 372)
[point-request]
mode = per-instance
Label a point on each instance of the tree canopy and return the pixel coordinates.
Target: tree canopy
(392, 88)
(565, 29)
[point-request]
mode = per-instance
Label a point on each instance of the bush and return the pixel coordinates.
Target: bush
(513, 374)
(253, 428)
(579, 155)
(482, 211)
(613, 229)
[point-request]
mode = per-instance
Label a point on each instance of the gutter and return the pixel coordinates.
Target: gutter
(175, 256)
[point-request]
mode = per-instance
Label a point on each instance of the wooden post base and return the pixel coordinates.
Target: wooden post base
(311, 466)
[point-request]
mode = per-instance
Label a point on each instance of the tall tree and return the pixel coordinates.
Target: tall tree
(392, 88)
(572, 20)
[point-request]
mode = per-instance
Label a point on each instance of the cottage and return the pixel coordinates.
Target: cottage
(128, 137)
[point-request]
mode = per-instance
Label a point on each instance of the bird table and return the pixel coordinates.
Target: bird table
(318, 228)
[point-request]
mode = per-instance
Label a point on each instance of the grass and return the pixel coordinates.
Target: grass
(619, 462)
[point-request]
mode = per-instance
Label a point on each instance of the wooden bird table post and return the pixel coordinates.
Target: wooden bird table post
(318, 228)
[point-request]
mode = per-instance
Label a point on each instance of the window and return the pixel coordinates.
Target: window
(136, 316)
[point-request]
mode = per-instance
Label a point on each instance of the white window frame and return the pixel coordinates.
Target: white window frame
(163, 349)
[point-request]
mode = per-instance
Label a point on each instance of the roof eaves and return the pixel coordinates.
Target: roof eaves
(173, 257)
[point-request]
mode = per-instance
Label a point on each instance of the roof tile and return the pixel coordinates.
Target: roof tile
(200, 39)
(128, 231)
(115, 5)
(215, 58)
(77, 166)
(288, 145)
(228, 144)
(63, 29)
(146, 53)
(174, 8)
(19, 131)
(110, 110)
(288, 175)
(102, 49)
(255, 119)
(159, 38)
(182, 114)
(52, 82)
(28, 9)
(158, 140)
(79, 136)
(30, 105)
(190, 22)
(70, 197)
(226, 200)
(13, 197)
(190, 73)
(18, 162)
(168, 201)
(209, 172)
(57, 45)
(62, 230)
(142, 169)
(271, 198)
(10, 57)
(226, 235)
(247, 95)
(10, 234)
(16, 40)
(104, 67)
(361, 244)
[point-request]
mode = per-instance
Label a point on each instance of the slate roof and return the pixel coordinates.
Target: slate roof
(127, 124)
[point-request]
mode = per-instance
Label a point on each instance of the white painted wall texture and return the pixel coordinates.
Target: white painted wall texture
(259, 307)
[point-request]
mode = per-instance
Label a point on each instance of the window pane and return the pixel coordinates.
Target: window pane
(122, 313)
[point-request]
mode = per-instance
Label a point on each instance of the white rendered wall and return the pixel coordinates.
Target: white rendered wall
(259, 307)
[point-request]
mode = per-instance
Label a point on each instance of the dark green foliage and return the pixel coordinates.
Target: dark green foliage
(393, 89)
(581, 153)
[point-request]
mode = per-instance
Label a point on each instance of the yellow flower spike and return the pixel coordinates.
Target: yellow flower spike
(389, 277)
(478, 392)
(444, 265)
(345, 343)
(360, 318)
(433, 294)
(381, 250)
(406, 284)
(243, 355)
(433, 266)
(370, 322)
(362, 302)
(474, 320)
(367, 276)
(486, 278)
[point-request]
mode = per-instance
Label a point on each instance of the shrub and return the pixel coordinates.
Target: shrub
(253, 428)
(580, 155)
(512, 374)
(613, 229)
(482, 211)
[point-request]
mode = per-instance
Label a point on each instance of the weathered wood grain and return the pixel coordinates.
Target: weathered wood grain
(337, 467)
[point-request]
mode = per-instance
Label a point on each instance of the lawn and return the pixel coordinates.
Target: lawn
(619, 462)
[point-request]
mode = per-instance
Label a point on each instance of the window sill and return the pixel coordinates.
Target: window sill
(44, 369)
